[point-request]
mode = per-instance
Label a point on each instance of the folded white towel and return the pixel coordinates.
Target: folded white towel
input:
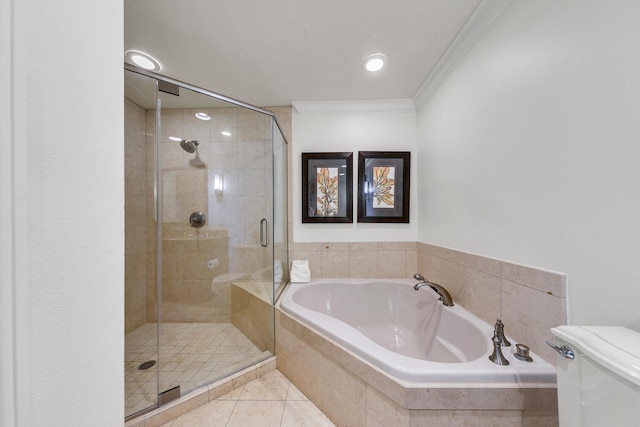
(300, 271)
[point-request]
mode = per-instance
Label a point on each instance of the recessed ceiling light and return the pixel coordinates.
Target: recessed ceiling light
(142, 59)
(375, 62)
(203, 116)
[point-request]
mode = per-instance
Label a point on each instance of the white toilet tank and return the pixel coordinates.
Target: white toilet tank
(600, 386)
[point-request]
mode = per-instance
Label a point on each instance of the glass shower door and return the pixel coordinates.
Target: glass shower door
(141, 337)
(215, 258)
(206, 237)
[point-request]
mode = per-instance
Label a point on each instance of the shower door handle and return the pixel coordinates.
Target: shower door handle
(264, 233)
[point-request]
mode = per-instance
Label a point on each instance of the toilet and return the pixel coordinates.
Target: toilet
(598, 376)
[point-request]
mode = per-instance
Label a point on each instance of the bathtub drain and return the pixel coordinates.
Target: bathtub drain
(146, 365)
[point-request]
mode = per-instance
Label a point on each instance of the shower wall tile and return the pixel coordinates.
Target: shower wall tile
(252, 153)
(135, 216)
(135, 210)
(251, 182)
(193, 128)
(253, 126)
(134, 120)
(170, 125)
(224, 154)
(224, 123)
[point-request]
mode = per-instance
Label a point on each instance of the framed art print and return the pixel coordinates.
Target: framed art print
(383, 186)
(327, 187)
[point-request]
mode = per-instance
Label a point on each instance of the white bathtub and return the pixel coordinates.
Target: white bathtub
(409, 334)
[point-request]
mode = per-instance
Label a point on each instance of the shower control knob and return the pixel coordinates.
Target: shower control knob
(197, 220)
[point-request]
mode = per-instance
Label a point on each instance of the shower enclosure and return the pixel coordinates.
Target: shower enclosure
(206, 248)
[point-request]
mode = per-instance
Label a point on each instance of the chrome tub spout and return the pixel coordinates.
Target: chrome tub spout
(445, 296)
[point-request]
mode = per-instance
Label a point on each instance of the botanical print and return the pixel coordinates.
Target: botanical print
(383, 187)
(327, 186)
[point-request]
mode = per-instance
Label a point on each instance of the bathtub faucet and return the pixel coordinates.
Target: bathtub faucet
(445, 296)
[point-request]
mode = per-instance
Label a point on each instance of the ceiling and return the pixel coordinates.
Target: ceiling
(272, 53)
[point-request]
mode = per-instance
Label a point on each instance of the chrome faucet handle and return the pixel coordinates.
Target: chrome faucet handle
(497, 357)
(499, 332)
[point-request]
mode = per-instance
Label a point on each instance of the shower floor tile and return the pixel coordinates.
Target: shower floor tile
(191, 354)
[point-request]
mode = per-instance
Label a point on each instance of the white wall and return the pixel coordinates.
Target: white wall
(67, 78)
(531, 151)
(352, 126)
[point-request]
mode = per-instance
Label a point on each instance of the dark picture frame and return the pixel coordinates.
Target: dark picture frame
(327, 187)
(383, 186)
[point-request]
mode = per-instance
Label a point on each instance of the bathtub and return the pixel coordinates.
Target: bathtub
(408, 334)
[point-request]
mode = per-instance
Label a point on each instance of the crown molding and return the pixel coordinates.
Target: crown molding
(477, 24)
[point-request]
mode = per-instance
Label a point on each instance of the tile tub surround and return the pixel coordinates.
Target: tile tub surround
(252, 312)
(352, 392)
(530, 301)
(361, 260)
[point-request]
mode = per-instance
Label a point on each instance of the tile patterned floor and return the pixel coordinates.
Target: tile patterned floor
(192, 354)
(269, 401)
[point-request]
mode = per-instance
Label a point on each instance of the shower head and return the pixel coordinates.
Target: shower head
(189, 146)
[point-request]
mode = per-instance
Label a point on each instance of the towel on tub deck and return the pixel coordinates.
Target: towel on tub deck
(300, 271)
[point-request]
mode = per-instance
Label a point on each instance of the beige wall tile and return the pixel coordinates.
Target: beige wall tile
(466, 418)
(484, 264)
(392, 264)
(363, 246)
(541, 419)
(528, 315)
(309, 246)
(385, 411)
(392, 246)
(351, 387)
(335, 263)
(363, 264)
(545, 281)
(341, 410)
(429, 266)
(335, 246)
(482, 295)
(412, 263)
(444, 253)
(452, 278)
(303, 413)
